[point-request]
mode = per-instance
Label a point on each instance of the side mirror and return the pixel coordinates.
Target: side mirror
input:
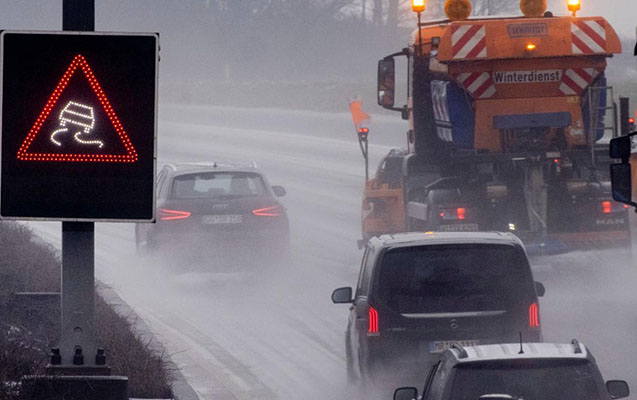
(620, 177)
(621, 174)
(386, 82)
(406, 393)
(342, 295)
(621, 147)
(618, 389)
(540, 289)
(279, 191)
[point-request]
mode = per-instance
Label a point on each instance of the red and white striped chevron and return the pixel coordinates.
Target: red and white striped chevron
(479, 84)
(468, 41)
(589, 37)
(575, 80)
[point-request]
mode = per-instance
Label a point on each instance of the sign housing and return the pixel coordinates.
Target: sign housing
(79, 122)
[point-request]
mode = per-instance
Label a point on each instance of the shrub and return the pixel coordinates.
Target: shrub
(29, 265)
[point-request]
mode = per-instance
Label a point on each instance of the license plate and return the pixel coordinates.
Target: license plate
(459, 228)
(440, 346)
(222, 219)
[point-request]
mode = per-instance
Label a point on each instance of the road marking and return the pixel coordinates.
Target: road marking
(239, 382)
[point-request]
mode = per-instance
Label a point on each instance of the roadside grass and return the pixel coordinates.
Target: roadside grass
(131, 354)
(26, 335)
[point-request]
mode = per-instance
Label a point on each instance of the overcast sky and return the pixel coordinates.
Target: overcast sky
(185, 41)
(47, 14)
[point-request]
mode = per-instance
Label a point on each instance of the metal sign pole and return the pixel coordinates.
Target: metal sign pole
(78, 15)
(77, 345)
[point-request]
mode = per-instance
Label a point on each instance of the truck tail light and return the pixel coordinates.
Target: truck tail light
(607, 207)
(171, 215)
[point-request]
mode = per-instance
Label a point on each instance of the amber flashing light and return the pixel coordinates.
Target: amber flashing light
(574, 6)
(418, 5)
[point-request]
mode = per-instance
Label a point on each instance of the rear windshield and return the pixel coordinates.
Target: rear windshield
(453, 278)
(555, 381)
(217, 185)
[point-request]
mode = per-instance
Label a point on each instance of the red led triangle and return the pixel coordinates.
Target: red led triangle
(79, 61)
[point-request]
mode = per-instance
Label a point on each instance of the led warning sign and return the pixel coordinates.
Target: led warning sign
(78, 125)
(76, 136)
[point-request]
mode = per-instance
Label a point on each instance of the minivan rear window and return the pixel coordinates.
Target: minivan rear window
(453, 278)
(523, 380)
(217, 185)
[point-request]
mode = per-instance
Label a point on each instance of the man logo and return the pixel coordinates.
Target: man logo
(453, 324)
(610, 221)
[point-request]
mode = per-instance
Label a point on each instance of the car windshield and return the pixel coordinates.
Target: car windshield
(453, 278)
(549, 380)
(217, 185)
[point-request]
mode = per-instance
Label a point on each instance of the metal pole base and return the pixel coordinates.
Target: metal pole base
(77, 370)
(75, 388)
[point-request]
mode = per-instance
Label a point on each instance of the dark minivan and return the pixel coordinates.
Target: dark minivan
(420, 293)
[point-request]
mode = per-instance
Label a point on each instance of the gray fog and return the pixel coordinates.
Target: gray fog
(269, 81)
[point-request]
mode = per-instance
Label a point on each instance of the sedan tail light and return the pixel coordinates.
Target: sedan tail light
(272, 211)
(171, 215)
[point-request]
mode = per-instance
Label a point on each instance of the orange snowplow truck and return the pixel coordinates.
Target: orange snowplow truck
(510, 120)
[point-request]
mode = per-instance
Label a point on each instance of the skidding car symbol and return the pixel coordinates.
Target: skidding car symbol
(83, 118)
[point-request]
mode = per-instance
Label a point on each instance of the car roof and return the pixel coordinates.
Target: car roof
(511, 351)
(433, 238)
(211, 166)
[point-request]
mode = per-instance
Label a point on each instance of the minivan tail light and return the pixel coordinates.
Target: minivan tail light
(373, 321)
(534, 316)
(171, 215)
(458, 213)
(272, 211)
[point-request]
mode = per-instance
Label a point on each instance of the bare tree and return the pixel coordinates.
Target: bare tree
(377, 16)
(496, 7)
(392, 17)
(435, 9)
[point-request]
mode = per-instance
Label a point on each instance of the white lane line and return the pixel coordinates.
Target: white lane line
(236, 377)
